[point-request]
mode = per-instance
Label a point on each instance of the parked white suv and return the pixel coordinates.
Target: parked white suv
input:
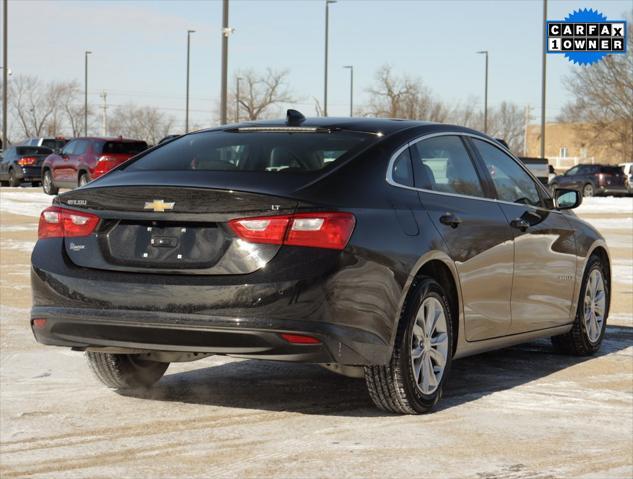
(628, 171)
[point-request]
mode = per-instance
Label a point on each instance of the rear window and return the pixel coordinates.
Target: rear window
(32, 150)
(123, 147)
(612, 170)
(54, 144)
(275, 152)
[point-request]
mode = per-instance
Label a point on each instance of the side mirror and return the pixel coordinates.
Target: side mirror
(567, 199)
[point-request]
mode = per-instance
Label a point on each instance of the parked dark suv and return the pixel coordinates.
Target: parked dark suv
(22, 164)
(593, 180)
(84, 159)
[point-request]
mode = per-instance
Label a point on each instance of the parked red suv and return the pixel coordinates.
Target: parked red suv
(84, 159)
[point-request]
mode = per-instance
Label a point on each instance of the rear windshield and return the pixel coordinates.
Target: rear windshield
(612, 170)
(123, 147)
(54, 144)
(278, 152)
(33, 150)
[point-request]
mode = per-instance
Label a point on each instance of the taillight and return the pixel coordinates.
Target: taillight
(315, 230)
(104, 164)
(299, 338)
(27, 160)
(56, 222)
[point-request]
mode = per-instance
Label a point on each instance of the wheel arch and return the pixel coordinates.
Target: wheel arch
(439, 266)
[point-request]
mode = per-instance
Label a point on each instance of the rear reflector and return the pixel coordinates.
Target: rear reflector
(299, 339)
(56, 222)
(39, 323)
(315, 230)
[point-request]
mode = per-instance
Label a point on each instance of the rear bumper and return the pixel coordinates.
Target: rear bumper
(191, 333)
(240, 315)
(612, 189)
(29, 173)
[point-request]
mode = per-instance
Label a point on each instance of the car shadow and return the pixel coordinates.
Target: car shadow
(310, 389)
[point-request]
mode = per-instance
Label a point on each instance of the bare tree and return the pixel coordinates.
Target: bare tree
(260, 94)
(33, 104)
(403, 97)
(603, 101)
(140, 122)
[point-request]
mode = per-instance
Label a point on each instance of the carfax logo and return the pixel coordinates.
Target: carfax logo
(586, 36)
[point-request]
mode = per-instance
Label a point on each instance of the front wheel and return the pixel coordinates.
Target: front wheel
(125, 371)
(47, 184)
(590, 323)
(412, 381)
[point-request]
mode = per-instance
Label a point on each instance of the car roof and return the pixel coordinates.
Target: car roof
(107, 138)
(370, 125)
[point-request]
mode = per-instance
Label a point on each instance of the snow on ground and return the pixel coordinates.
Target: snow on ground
(622, 271)
(607, 204)
(26, 246)
(26, 202)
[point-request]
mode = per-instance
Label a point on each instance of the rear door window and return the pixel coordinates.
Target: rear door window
(286, 151)
(444, 165)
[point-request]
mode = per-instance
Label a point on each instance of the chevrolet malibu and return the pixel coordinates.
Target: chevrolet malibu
(381, 248)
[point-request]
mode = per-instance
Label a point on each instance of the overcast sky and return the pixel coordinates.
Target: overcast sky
(139, 47)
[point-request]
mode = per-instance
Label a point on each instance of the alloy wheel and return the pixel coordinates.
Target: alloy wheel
(587, 190)
(594, 305)
(429, 345)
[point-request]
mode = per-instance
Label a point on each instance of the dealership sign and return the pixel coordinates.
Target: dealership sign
(586, 36)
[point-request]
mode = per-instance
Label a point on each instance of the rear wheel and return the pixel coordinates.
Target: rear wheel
(588, 190)
(83, 179)
(125, 371)
(590, 324)
(412, 381)
(47, 184)
(13, 179)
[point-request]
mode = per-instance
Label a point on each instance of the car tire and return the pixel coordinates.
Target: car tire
(13, 180)
(407, 385)
(589, 327)
(125, 371)
(588, 190)
(47, 184)
(83, 179)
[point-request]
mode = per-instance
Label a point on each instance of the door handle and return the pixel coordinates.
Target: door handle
(520, 224)
(449, 219)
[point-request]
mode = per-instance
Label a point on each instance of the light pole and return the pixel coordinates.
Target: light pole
(237, 99)
(327, 34)
(86, 53)
(189, 32)
(5, 72)
(543, 79)
(226, 31)
(351, 89)
(485, 52)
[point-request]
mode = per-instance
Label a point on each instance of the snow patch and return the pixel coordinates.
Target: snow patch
(25, 203)
(610, 223)
(609, 204)
(26, 246)
(622, 271)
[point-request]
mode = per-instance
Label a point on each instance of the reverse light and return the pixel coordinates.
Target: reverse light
(27, 161)
(299, 338)
(56, 222)
(314, 230)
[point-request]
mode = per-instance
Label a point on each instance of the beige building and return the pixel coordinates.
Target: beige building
(567, 144)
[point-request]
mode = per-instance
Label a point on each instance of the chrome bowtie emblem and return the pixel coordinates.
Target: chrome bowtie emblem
(159, 205)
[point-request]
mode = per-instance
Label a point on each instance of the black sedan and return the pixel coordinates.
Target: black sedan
(381, 248)
(23, 164)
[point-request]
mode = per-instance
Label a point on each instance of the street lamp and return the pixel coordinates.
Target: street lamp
(543, 78)
(226, 31)
(327, 30)
(86, 53)
(351, 89)
(485, 52)
(237, 99)
(189, 32)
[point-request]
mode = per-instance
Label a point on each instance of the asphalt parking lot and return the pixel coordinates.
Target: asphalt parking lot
(516, 413)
